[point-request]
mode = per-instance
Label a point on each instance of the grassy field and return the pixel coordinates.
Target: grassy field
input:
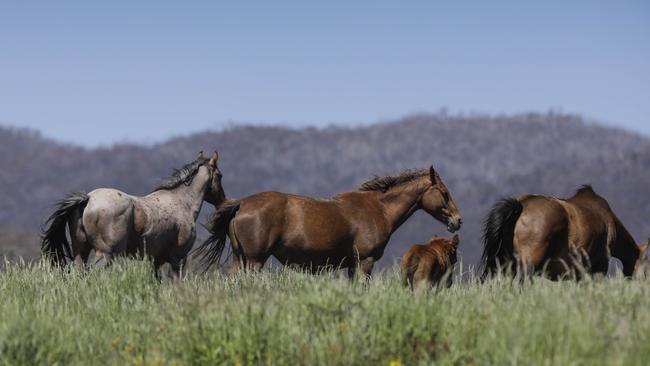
(123, 316)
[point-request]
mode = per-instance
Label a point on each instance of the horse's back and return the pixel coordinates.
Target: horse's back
(108, 201)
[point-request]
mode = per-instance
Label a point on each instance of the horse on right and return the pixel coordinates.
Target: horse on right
(557, 237)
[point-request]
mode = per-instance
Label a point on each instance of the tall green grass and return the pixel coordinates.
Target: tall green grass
(122, 315)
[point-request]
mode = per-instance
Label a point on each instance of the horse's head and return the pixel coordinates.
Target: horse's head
(437, 201)
(215, 194)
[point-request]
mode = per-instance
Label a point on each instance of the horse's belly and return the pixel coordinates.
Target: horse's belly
(313, 257)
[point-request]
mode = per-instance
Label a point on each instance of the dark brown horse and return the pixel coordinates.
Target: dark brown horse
(558, 237)
(427, 265)
(349, 230)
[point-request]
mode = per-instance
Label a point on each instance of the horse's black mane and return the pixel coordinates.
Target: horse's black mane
(383, 184)
(180, 176)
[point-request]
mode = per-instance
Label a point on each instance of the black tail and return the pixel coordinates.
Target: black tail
(498, 235)
(211, 250)
(55, 243)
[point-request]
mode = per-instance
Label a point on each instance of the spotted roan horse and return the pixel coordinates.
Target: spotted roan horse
(349, 230)
(557, 237)
(161, 224)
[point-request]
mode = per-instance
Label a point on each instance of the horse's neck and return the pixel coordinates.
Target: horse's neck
(190, 197)
(400, 203)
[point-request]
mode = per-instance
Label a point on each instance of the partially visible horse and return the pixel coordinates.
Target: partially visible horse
(349, 230)
(160, 225)
(559, 237)
(642, 265)
(431, 264)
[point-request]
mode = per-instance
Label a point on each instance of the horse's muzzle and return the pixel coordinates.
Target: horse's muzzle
(454, 224)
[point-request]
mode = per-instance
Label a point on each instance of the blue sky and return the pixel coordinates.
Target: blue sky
(99, 72)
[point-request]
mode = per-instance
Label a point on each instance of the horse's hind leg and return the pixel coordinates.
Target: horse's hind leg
(106, 246)
(108, 233)
(79, 240)
(177, 268)
(237, 255)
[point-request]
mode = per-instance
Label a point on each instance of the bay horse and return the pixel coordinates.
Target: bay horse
(558, 237)
(160, 225)
(431, 264)
(349, 230)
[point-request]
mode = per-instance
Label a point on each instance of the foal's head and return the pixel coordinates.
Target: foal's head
(215, 194)
(446, 249)
(437, 201)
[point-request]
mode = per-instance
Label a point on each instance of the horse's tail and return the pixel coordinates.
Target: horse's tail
(211, 250)
(498, 235)
(55, 243)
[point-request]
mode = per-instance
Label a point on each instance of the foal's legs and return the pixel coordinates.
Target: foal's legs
(422, 278)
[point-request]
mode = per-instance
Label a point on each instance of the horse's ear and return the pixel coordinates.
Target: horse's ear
(200, 156)
(455, 240)
(644, 248)
(432, 174)
(214, 159)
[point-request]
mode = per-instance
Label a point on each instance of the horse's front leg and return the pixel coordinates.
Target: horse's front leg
(352, 271)
(364, 265)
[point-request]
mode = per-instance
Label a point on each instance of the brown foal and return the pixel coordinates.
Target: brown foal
(431, 264)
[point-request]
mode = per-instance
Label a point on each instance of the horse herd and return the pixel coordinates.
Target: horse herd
(525, 234)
